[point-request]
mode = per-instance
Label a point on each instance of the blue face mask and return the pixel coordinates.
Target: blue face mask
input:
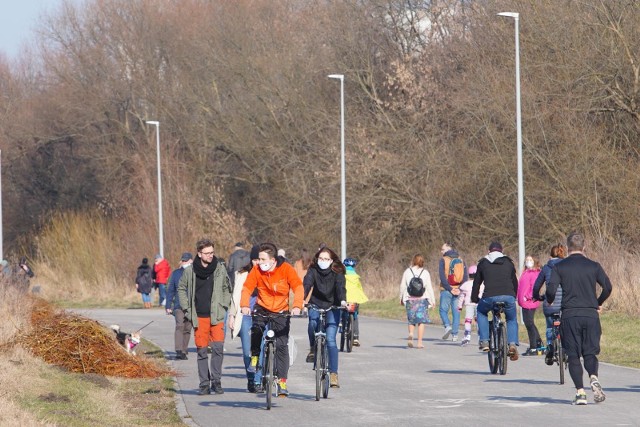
(324, 264)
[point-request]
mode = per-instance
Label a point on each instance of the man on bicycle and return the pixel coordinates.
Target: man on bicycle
(498, 274)
(274, 278)
(580, 328)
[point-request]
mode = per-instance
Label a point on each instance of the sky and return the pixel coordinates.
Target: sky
(18, 19)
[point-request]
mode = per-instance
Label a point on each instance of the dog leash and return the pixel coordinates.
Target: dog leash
(144, 326)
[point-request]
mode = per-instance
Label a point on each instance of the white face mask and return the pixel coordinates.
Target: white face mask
(528, 264)
(324, 264)
(266, 266)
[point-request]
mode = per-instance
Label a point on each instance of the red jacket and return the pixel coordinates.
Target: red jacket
(162, 270)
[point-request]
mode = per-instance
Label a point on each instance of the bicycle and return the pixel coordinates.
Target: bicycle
(559, 355)
(348, 319)
(498, 347)
(268, 357)
(321, 352)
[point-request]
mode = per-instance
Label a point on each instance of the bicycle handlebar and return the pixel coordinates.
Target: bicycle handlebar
(324, 310)
(271, 315)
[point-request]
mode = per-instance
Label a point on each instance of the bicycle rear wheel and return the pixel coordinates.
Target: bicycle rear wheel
(493, 347)
(350, 333)
(503, 348)
(325, 371)
(318, 365)
(269, 360)
(561, 361)
(343, 333)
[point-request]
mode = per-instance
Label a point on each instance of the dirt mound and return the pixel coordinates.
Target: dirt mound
(82, 345)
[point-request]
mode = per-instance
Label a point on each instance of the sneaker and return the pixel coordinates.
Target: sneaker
(282, 388)
(598, 394)
(466, 340)
(512, 353)
(216, 387)
(447, 333)
(204, 389)
(548, 358)
(531, 352)
(181, 355)
(259, 389)
(333, 380)
(580, 399)
(454, 338)
(251, 387)
(356, 342)
(311, 357)
(253, 365)
(484, 346)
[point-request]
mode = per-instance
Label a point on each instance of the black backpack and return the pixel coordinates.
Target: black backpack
(416, 285)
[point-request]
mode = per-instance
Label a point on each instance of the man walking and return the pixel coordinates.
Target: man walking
(580, 328)
(161, 271)
(204, 292)
(238, 259)
(448, 293)
(182, 333)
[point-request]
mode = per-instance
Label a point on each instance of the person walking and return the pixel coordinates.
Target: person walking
(415, 300)
(238, 259)
(182, 333)
(240, 324)
(161, 270)
(273, 278)
(324, 285)
(558, 253)
(204, 292)
(530, 303)
(449, 292)
(580, 329)
(355, 295)
(498, 274)
(144, 282)
(464, 300)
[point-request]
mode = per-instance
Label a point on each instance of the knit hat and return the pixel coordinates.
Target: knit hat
(495, 247)
(158, 256)
(186, 256)
(255, 250)
(145, 261)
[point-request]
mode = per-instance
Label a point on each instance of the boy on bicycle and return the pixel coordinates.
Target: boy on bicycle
(274, 278)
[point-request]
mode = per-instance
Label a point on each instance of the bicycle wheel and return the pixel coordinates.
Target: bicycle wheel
(560, 355)
(493, 347)
(350, 333)
(318, 365)
(503, 348)
(269, 360)
(325, 371)
(343, 334)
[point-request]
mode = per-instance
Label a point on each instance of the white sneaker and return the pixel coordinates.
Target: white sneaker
(454, 338)
(447, 333)
(465, 341)
(598, 394)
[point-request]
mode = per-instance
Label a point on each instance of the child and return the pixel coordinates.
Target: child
(355, 294)
(465, 301)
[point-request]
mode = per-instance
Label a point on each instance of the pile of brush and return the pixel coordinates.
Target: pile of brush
(82, 345)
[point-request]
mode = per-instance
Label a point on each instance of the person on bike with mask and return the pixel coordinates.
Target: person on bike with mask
(274, 278)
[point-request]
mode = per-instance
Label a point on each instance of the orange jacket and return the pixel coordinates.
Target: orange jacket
(162, 270)
(273, 287)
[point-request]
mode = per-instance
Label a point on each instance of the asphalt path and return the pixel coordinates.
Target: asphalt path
(384, 383)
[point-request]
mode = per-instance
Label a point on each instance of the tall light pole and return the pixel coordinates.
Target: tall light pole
(343, 188)
(160, 234)
(521, 249)
(1, 235)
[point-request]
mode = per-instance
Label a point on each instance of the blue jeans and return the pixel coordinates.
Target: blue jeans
(146, 297)
(245, 338)
(550, 336)
(333, 318)
(449, 302)
(485, 305)
(162, 291)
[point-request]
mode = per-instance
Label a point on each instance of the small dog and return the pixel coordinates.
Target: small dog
(128, 341)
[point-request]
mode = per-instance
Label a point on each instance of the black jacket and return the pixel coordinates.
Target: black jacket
(328, 287)
(578, 276)
(499, 276)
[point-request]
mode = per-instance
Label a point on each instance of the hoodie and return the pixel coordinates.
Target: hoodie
(498, 274)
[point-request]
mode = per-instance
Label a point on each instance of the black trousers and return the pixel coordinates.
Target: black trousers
(280, 326)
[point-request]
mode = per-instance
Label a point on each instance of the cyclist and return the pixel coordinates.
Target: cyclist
(498, 274)
(325, 283)
(273, 277)
(580, 329)
(355, 294)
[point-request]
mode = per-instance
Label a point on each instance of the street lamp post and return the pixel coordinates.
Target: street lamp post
(160, 234)
(343, 197)
(521, 249)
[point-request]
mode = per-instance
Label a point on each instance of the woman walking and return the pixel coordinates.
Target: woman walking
(144, 282)
(529, 303)
(416, 303)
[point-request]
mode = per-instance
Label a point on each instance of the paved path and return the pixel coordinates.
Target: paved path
(385, 383)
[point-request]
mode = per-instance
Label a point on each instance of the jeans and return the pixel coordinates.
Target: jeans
(550, 337)
(146, 297)
(449, 302)
(162, 291)
(332, 320)
(485, 305)
(245, 338)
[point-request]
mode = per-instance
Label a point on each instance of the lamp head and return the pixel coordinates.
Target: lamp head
(152, 122)
(514, 15)
(336, 76)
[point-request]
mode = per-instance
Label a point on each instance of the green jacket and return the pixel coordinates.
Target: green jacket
(220, 297)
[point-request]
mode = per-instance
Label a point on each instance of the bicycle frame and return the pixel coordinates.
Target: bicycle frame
(498, 340)
(559, 355)
(267, 357)
(321, 361)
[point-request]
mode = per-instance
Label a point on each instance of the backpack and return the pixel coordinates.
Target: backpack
(144, 280)
(415, 288)
(456, 272)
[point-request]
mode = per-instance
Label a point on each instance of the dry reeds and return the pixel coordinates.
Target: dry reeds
(82, 345)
